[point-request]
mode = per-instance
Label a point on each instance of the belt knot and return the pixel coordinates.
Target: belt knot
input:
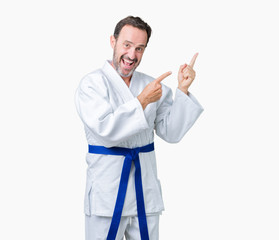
(134, 153)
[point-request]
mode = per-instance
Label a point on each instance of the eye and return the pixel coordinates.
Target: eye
(139, 49)
(126, 45)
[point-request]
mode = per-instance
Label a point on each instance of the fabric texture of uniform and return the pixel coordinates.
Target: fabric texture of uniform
(96, 228)
(113, 117)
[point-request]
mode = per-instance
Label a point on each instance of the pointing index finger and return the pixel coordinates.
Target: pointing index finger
(193, 60)
(163, 76)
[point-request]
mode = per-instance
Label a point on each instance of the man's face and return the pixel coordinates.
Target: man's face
(128, 50)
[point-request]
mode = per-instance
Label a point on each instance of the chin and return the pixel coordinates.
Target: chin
(126, 75)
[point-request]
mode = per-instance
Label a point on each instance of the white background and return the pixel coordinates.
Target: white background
(220, 182)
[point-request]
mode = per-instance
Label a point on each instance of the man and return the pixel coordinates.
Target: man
(120, 109)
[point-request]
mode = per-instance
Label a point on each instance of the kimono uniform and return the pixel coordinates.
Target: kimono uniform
(113, 117)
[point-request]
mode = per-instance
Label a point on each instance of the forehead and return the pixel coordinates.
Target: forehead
(133, 34)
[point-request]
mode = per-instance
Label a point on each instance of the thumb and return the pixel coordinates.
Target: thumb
(182, 67)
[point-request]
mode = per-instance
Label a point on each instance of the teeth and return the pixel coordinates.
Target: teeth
(127, 61)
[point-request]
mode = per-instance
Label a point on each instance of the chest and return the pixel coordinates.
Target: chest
(117, 97)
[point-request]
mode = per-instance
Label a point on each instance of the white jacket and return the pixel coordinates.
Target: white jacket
(113, 116)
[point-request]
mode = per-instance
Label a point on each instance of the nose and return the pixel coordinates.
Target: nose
(132, 53)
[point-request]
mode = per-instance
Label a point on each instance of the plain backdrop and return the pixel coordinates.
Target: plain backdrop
(220, 182)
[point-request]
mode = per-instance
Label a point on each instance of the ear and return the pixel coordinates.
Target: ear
(112, 41)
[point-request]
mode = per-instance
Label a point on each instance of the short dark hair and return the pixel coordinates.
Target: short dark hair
(135, 22)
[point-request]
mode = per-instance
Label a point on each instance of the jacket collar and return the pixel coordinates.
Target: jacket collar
(117, 81)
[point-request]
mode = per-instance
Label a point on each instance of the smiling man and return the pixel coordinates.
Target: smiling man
(121, 109)
(128, 50)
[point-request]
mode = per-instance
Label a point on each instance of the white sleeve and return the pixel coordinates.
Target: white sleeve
(175, 117)
(109, 126)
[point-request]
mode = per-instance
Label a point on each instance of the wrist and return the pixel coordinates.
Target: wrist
(185, 90)
(142, 101)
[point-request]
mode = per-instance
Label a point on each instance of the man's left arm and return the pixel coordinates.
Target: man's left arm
(175, 117)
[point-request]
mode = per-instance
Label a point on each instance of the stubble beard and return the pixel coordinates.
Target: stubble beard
(118, 68)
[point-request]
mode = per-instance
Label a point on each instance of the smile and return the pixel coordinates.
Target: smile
(127, 62)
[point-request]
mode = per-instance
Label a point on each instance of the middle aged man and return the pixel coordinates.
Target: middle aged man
(120, 109)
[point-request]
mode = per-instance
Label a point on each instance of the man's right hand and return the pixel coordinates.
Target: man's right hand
(153, 91)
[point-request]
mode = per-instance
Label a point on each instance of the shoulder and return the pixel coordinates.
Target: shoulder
(147, 79)
(143, 77)
(93, 79)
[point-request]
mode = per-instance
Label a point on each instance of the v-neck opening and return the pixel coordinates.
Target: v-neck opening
(118, 82)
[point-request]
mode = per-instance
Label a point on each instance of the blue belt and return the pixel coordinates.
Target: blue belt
(131, 155)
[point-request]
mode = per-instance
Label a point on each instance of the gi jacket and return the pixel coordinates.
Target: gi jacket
(113, 117)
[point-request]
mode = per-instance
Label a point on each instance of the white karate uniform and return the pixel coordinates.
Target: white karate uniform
(113, 116)
(96, 228)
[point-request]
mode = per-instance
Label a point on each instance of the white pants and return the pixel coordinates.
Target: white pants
(96, 228)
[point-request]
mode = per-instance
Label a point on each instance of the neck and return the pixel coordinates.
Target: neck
(127, 80)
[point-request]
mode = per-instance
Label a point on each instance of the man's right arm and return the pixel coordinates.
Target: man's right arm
(109, 126)
(152, 92)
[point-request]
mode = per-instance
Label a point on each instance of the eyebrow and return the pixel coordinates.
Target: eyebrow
(141, 45)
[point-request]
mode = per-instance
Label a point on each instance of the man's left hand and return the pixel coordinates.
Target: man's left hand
(186, 75)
